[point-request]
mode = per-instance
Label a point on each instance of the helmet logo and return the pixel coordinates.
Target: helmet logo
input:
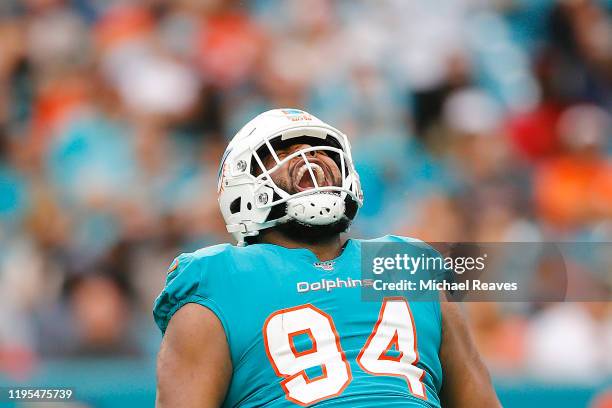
(296, 115)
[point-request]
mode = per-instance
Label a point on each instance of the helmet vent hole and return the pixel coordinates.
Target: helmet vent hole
(312, 204)
(312, 216)
(249, 206)
(235, 205)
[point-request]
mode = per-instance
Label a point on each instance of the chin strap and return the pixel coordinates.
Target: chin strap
(251, 229)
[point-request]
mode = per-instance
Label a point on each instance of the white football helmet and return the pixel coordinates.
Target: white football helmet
(247, 192)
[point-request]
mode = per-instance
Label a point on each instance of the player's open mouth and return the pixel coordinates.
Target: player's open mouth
(303, 181)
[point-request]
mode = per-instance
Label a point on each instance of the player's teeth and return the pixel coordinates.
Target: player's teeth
(317, 171)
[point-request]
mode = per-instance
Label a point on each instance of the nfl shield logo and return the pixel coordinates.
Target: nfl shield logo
(326, 265)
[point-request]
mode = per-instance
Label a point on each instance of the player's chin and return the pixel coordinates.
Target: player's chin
(312, 234)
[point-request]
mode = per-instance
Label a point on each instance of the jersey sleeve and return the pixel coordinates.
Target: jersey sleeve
(187, 282)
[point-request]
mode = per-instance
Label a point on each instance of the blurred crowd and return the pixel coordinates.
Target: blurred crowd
(471, 120)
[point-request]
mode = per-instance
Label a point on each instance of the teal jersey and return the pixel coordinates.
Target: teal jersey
(299, 333)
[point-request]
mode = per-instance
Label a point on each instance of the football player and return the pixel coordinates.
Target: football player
(250, 325)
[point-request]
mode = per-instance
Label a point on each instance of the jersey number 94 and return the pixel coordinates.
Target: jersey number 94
(394, 330)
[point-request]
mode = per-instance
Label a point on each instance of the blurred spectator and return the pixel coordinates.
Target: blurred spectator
(571, 342)
(500, 339)
(429, 103)
(101, 315)
(581, 52)
(96, 322)
(575, 188)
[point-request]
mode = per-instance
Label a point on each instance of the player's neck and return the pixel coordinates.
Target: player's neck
(324, 250)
